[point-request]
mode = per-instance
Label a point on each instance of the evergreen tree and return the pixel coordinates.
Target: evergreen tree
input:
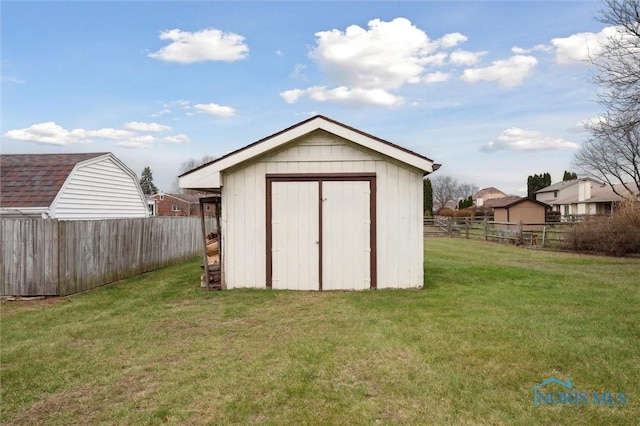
(427, 202)
(146, 182)
(537, 182)
(569, 176)
(466, 202)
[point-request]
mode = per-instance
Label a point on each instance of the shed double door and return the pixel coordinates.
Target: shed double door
(321, 235)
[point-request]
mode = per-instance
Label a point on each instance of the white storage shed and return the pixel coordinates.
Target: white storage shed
(319, 206)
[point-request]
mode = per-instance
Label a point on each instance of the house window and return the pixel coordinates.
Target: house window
(175, 208)
(207, 208)
(555, 194)
(161, 197)
(566, 210)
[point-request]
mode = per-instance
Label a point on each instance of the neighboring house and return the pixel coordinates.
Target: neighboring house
(485, 194)
(319, 206)
(179, 204)
(592, 199)
(69, 187)
(519, 209)
(581, 197)
(559, 190)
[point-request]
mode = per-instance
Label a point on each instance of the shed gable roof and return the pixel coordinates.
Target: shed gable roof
(210, 171)
(34, 180)
(506, 202)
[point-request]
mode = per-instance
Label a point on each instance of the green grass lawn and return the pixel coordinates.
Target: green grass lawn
(492, 322)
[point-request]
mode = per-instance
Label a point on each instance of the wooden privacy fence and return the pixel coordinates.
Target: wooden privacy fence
(550, 234)
(51, 257)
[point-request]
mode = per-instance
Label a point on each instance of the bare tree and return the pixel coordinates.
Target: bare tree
(618, 63)
(446, 188)
(612, 152)
(188, 165)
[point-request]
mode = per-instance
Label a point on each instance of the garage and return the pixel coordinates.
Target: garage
(319, 206)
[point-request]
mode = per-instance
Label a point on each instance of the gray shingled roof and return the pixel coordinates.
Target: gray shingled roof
(34, 180)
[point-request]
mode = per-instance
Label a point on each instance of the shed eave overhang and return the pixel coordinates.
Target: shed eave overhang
(208, 176)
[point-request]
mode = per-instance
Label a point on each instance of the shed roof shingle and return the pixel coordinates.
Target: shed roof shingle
(34, 180)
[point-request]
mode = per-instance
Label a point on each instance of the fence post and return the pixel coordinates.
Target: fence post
(519, 237)
(486, 229)
(466, 222)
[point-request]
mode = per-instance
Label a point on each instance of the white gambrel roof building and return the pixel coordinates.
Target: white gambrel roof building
(69, 187)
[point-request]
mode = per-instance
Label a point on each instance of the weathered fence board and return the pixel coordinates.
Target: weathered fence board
(51, 257)
(539, 234)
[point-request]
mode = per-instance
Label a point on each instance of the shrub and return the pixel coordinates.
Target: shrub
(444, 211)
(617, 235)
(464, 213)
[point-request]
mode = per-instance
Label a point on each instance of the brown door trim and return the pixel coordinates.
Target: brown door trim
(320, 177)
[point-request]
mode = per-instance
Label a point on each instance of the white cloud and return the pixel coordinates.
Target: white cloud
(137, 126)
(48, 133)
(516, 139)
(206, 45)
(451, 40)
(298, 72)
(436, 77)
(581, 46)
(292, 96)
(138, 142)
(537, 48)
(367, 65)
(344, 95)
(509, 73)
(215, 110)
(51, 133)
(464, 57)
(435, 60)
(387, 55)
(354, 96)
(176, 139)
(161, 113)
(108, 133)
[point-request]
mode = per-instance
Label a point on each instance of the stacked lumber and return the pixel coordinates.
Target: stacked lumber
(213, 263)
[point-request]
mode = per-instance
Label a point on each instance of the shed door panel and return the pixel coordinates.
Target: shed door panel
(295, 239)
(346, 225)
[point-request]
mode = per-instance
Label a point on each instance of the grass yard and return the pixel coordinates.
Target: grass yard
(492, 322)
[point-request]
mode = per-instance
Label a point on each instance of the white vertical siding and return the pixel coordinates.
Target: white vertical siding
(100, 189)
(399, 207)
(346, 248)
(295, 241)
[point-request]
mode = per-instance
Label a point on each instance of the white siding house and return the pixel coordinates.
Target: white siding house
(319, 206)
(70, 187)
(584, 197)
